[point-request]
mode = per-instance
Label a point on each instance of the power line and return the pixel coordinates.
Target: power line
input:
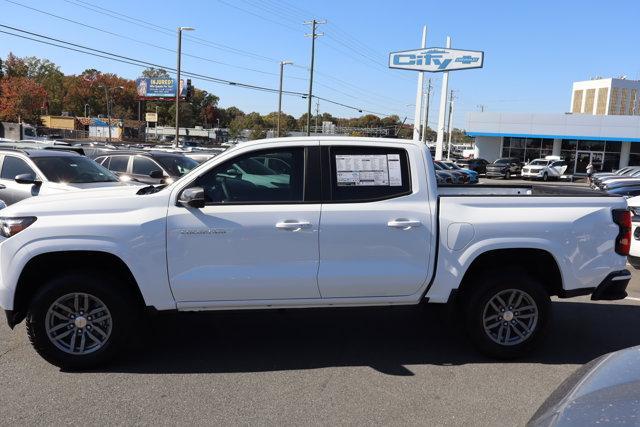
(163, 30)
(136, 62)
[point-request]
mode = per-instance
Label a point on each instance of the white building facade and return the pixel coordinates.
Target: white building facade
(609, 141)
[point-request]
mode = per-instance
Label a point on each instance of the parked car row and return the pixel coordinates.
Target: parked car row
(450, 173)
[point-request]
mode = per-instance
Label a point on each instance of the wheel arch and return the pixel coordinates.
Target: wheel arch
(538, 263)
(38, 269)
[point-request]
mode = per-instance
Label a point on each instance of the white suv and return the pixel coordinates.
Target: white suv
(544, 169)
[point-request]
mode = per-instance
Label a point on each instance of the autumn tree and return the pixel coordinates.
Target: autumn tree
(22, 99)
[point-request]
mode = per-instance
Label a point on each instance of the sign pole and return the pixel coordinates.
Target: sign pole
(418, 111)
(443, 109)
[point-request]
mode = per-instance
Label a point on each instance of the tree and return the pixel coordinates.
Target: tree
(155, 73)
(14, 66)
(22, 98)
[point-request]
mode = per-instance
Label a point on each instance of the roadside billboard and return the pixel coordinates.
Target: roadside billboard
(436, 59)
(151, 117)
(158, 88)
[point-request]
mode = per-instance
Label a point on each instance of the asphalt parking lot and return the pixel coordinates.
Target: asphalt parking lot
(356, 366)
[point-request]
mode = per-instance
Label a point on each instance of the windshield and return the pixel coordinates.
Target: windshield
(539, 163)
(72, 169)
(176, 165)
(452, 165)
(501, 161)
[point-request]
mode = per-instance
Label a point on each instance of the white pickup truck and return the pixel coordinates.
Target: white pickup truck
(339, 222)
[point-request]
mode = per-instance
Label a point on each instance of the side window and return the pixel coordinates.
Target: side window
(118, 163)
(100, 159)
(246, 179)
(144, 166)
(360, 174)
(13, 166)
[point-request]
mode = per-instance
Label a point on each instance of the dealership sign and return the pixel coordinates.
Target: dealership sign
(436, 59)
(151, 117)
(159, 88)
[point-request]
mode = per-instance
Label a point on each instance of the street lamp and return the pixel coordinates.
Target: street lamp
(180, 30)
(106, 94)
(282, 64)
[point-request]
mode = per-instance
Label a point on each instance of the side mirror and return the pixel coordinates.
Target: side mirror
(27, 178)
(192, 197)
(157, 174)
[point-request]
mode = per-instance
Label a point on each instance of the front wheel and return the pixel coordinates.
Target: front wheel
(78, 321)
(506, 315)
(507, 175)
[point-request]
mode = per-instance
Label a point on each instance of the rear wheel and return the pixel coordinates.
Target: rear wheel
(78, 320)
(506, 314)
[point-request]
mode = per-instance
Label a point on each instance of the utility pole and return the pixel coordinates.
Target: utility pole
(426, 112)
(106, 95)
(481, 107)
(451, 98)
(156, 123)
(443, 108)
(179, 53)
(282, 64)
(417, 119)
(314, 23)
(317, 114)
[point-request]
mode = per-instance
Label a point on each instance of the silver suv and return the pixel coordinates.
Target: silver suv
(33, 172)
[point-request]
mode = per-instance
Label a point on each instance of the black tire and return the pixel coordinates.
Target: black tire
(110, 292)
(507, 175)
(545, 177)
(477, 300)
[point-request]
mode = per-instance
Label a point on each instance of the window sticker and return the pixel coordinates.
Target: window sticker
(368, 170)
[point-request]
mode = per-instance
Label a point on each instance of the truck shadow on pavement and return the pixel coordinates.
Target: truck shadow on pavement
(384, 339)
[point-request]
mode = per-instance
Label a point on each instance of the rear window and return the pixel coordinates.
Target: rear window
(360, 174)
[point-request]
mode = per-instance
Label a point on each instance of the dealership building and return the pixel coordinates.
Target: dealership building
(603, 128)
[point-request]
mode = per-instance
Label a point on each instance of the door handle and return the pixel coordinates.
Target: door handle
(404, 224)
(292, 225)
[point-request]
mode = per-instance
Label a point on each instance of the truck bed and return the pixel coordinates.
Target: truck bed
(519, 190)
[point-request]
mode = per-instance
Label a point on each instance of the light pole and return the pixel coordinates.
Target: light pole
(85, 109)
(282, 64)
(180, 30)
(106, 94)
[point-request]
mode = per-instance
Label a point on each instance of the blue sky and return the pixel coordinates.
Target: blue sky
(534, 49)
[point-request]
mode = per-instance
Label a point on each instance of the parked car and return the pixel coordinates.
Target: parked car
(148, 167)
(456, 177)
(634, 251)
(27, 173)
(472, 175)
(504, 168)
(602, 392)
(626, 192)
(626, 174)
(544, 169)
(79, 266)
(443, 177)
(476, 165)
(201, 156)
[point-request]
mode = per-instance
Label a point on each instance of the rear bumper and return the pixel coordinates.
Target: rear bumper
(613, 287)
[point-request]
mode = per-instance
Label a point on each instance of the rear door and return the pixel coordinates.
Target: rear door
(375, 228)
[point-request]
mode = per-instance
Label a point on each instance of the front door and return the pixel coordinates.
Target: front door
(256, 238)
(376, 235)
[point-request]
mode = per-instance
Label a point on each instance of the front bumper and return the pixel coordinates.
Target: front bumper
(491, 173)
(531, 174)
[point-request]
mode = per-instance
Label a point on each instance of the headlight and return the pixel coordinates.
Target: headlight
(12, 226)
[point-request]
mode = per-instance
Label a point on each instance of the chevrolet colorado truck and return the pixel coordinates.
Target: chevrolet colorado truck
(341, 222)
